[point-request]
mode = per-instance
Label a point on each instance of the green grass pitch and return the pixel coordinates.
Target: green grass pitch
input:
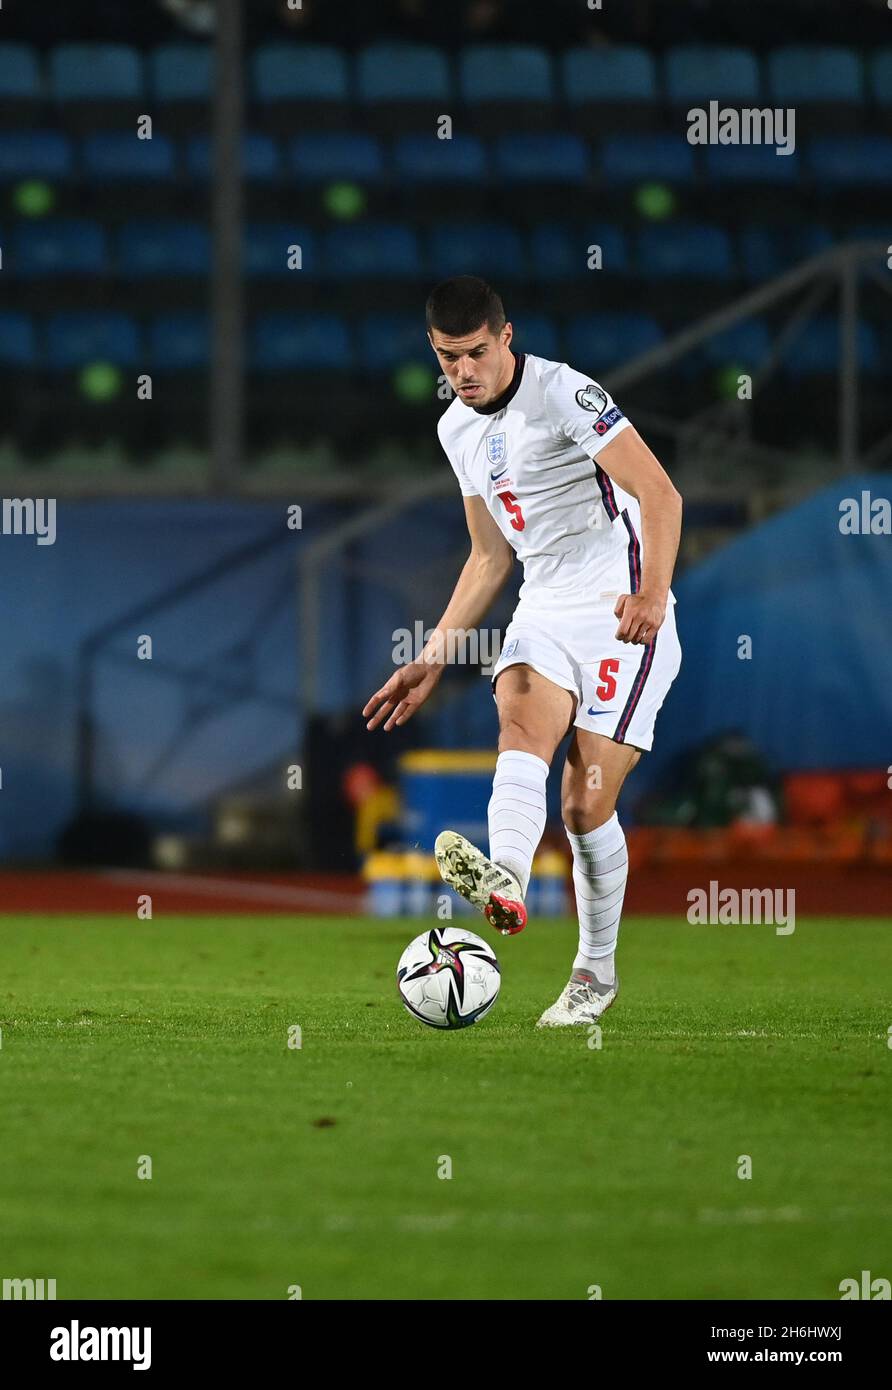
(572, 1166)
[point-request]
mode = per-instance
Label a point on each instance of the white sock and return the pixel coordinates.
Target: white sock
(600, 870)
(517, 812)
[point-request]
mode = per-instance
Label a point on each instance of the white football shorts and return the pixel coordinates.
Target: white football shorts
(619, 688)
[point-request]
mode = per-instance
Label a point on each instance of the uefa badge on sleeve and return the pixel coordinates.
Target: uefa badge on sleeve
(592, 398)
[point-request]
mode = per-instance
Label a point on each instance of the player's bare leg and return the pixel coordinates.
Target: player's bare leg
(534, 715)
(594, 773)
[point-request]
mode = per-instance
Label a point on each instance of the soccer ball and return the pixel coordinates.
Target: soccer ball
(448, 977)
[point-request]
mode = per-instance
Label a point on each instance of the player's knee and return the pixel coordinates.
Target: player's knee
(515, 736)
(516, 720)
(518, 729)
(582, 812)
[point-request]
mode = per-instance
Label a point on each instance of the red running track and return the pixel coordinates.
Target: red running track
(821, 890)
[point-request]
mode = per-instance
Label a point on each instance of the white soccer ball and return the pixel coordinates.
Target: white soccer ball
(448, 977)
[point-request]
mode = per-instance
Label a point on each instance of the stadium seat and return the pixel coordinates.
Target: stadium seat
(872, 352)
(556, 253)
(18, 341)
(455, 174)
(402, 85)
(119, 157)
(867, 793)
(180, 77)
(21, 86)
(58, 247)
(261, 157)
(746, 344)
(402, 72)
(425, 159)
(610, 88)
(814, 798)
(816, 348)
(336, 155)
(880, 77)
(296, 84)
(869, 231)
(95, 71)
(389, 340)
(181, 72)
(507, 86)
(163, 248)
(378, 250)
(616, 72)
(561, 252)
(630, 158)
(684, 249)
(613, 242)
(759, 164)
(179, 342)
(36, 154)
(75, 339)
(815, 72)
(537, 334)
(305, 72)
(765, 252)
(879, 360)
(97, 83)
(19, 72)
(855, 159)
(266, 249)
(700, 73)
(478, 248)
(824, 83)
(877, 234)
(825, 798)
(597, 342)
(541, 157)
(292, 342)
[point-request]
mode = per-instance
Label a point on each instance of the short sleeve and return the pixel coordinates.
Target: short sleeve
(466, 486)
(583, 411)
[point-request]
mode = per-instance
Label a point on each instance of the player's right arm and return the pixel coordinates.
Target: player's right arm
(482, 578)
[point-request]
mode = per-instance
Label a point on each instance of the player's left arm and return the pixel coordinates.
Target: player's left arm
(631, 465)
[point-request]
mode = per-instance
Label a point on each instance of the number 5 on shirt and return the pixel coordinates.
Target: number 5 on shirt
(513, 506)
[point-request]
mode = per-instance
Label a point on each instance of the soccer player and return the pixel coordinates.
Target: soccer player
(550, 470)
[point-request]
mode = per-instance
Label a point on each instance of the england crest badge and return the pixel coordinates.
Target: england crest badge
(496, 450)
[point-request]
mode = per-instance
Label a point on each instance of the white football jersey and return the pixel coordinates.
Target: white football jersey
(531, 456)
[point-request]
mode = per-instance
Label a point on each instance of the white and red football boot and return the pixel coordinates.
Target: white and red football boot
(487, 886)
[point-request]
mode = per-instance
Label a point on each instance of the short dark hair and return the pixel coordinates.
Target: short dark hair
(463, 304)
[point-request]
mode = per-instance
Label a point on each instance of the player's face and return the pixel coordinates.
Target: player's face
(479, 366)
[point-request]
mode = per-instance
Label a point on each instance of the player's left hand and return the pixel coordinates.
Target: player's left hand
(640, 617)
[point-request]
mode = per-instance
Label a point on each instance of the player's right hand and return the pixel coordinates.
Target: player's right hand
(404, 693)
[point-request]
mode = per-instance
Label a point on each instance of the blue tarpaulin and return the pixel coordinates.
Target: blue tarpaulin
(814, 601)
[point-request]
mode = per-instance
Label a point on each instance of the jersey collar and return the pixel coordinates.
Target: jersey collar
(509, 392)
